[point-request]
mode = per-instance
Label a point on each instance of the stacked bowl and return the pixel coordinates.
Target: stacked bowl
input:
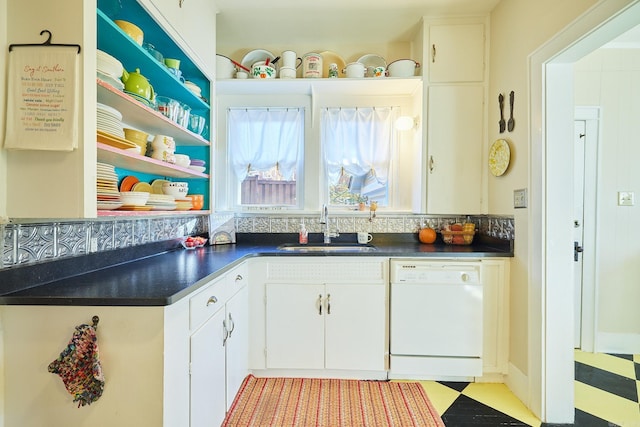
(109, 69)
(179, 190)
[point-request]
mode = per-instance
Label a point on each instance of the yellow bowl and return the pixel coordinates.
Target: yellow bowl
(137, 137)
(131, 29)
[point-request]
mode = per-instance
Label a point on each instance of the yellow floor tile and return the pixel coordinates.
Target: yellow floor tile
(440, 395)
(607, 406)
(614, 364)
(636, 358)
(499, 397)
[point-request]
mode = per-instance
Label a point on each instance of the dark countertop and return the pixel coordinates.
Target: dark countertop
(163, 274)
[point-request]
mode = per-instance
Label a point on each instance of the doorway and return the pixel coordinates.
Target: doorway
(551, 367)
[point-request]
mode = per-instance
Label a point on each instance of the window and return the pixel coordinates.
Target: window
(357, 146)
(265, 152)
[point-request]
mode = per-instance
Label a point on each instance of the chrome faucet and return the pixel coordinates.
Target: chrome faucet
(326, 225)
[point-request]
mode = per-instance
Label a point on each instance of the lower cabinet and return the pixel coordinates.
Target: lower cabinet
(218, 347)
(320, 317)
(332, 326)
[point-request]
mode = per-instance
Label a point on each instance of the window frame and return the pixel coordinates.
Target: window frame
(407, 188)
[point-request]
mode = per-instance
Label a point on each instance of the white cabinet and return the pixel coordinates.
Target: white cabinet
(332, 326)
(320, 316)
(218, 346)
(195, 22)
(208, 391)
(456, 52)
(495, 276)
(454, 149)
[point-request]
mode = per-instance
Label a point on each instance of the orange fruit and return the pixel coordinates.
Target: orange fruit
(427, 235)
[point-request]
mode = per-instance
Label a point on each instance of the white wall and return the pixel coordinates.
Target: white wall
(517, 29)
(610, 79)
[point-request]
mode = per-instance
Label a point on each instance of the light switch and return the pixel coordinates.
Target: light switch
(625, 198)
(520, 198)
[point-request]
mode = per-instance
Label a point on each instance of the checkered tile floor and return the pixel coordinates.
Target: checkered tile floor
(606, 394)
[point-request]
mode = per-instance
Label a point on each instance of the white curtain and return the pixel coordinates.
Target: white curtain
(358, 142)
(260, 139)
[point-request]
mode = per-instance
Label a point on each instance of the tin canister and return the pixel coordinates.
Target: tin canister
(312, 65)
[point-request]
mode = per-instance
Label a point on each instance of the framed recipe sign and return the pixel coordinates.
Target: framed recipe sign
(42, 97)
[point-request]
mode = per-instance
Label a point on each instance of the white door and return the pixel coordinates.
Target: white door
(578, 222)
(237, 342)
(208, 373)
(295, 326)
(586, 136)
(355, 336)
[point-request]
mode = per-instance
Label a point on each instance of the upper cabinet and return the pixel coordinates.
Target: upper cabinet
(456, 52)
(194, 22)
(455, 89)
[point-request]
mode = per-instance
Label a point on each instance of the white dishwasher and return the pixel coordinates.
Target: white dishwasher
(436, 319)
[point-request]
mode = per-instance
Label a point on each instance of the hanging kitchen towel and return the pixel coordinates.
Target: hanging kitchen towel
(79, 366)
(42, 99)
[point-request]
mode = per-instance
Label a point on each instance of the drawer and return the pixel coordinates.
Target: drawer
(207, 302)
(238, 278)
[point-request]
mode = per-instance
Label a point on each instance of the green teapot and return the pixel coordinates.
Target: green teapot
(137, 84)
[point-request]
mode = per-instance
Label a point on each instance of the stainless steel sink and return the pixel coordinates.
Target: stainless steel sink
(334, 247)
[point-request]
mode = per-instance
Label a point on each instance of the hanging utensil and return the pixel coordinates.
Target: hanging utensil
(501, 123)
(511, 123)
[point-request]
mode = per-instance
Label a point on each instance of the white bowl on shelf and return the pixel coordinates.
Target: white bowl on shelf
(199, 169)
(182, 160)
(134, 198)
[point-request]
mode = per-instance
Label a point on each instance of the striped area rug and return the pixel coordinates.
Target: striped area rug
(301, 402)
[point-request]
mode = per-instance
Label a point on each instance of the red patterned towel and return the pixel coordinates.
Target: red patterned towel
(79, 366)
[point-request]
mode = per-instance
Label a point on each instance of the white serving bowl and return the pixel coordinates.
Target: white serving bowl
(403, 68)
(182, 160)
(224, 67)
(199, 169)
(177, 192)
(134, 198)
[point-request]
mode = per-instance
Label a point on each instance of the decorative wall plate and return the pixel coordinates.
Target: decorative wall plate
(499, 157)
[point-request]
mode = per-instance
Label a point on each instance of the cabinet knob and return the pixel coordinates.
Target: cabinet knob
(431, 164)
(212, 300)
(239, 278)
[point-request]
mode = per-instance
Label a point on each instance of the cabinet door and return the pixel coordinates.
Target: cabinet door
(238, 342)
(454, 139)
(195, 22)
(456, 53)
(295, 326)
(208, 373)
(355, 324)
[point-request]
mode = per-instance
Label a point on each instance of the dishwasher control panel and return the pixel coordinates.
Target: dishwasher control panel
(435, 272)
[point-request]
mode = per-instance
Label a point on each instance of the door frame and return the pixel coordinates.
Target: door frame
(589, 298)
(550, 275)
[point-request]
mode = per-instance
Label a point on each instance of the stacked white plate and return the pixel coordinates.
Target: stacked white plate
(109, 120)
(184, 204)
(109, 69)
(161, 202)
(107, 187)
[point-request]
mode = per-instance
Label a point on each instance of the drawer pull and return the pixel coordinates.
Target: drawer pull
(212, 300)
(328, 303)
(239, 278)
(320, 304)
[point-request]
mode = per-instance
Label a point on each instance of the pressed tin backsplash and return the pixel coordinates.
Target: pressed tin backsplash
(25, 243)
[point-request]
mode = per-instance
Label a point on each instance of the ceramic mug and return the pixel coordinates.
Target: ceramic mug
(354, 70)
(290, 59)
(379, 72)
(364, 237)
(287, 73)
